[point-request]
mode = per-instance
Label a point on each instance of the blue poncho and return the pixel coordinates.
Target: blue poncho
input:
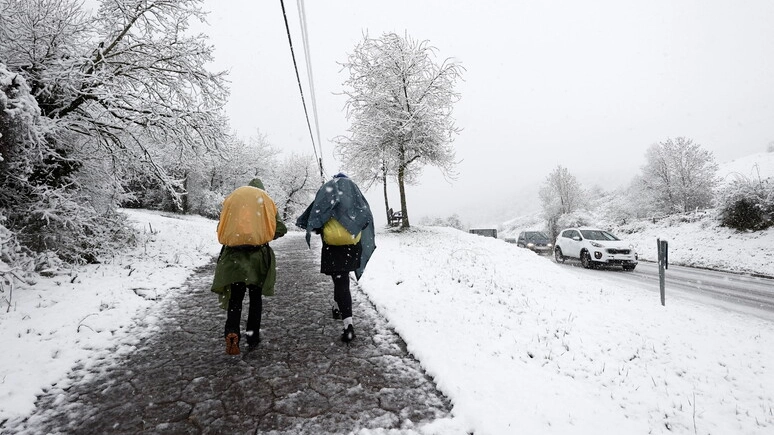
(341, 198)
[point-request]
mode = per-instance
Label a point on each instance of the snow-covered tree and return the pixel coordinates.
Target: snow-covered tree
(561, 194)
(118, 93)
(132, 66)
(202, 179)
(679, 175)
(19, 130)
(293, 184)
(400, 102)
(42, 199)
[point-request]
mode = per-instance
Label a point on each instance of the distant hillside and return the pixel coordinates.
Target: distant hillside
(751, 167)
(511, 228)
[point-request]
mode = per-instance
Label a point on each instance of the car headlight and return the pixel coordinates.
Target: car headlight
(596, 245)
(549, 245)
(530, 245)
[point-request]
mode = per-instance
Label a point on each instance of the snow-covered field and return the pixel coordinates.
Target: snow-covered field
(516, 341)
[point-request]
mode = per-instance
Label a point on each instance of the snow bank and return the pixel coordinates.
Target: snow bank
(520, 345)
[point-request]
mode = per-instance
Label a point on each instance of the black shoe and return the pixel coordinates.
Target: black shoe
(336, 313)
(253, 341)
(348, 334)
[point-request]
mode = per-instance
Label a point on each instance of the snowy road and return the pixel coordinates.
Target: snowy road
(737, 292)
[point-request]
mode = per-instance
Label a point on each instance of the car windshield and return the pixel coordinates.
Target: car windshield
(597, 235)
(535, 236)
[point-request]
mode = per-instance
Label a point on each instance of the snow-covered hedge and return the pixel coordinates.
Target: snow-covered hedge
(42, 198)
(747, 204)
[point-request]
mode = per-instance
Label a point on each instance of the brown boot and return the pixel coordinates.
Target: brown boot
(232, 344)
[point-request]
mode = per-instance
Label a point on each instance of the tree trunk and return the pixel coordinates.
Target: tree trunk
(184, 199)
(402, 188)
(386, 200)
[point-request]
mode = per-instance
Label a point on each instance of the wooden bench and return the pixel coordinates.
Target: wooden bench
(394, 219)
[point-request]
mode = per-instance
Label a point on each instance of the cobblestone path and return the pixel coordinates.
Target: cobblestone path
(301, 380)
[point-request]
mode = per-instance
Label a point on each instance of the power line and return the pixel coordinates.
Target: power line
(300, 88)
(308, 58)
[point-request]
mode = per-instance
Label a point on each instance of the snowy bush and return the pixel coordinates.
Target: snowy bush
(64, 221)
(208, 204)
(16, 266)
(747, 204)
(452, 221)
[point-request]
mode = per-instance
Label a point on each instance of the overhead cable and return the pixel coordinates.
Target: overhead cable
(300, 88)
(310, 76)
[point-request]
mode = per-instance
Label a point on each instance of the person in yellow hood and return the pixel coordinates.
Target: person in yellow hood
(248, 222)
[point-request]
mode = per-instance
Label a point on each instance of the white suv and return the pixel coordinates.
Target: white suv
(594, 246)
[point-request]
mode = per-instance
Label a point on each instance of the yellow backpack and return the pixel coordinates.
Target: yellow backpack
(248, 218)
(335, 234)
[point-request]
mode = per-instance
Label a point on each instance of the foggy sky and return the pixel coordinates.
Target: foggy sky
(588, 85)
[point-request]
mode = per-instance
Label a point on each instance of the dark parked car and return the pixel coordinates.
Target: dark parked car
(536, 241)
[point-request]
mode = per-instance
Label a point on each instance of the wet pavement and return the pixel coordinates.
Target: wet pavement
(301, 380)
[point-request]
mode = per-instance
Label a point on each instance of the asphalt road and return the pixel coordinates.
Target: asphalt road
(738, 292)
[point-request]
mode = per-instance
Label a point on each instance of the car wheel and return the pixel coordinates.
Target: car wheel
(586, 260)
(558, 255)
(629, 268)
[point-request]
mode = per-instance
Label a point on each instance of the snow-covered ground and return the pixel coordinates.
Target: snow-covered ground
(520, 345)
(698, 241)
(516, 341)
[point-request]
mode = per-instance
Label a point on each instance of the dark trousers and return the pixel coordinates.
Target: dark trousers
(341, 294)
(234, 313)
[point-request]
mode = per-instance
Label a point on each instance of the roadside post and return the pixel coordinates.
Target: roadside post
(663, 264)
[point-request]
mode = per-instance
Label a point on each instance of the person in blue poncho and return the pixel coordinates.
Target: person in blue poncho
(342, 216)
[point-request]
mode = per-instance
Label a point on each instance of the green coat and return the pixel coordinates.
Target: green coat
(253, 265)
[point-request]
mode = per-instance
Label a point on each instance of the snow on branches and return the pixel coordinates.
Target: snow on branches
(399, 100)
